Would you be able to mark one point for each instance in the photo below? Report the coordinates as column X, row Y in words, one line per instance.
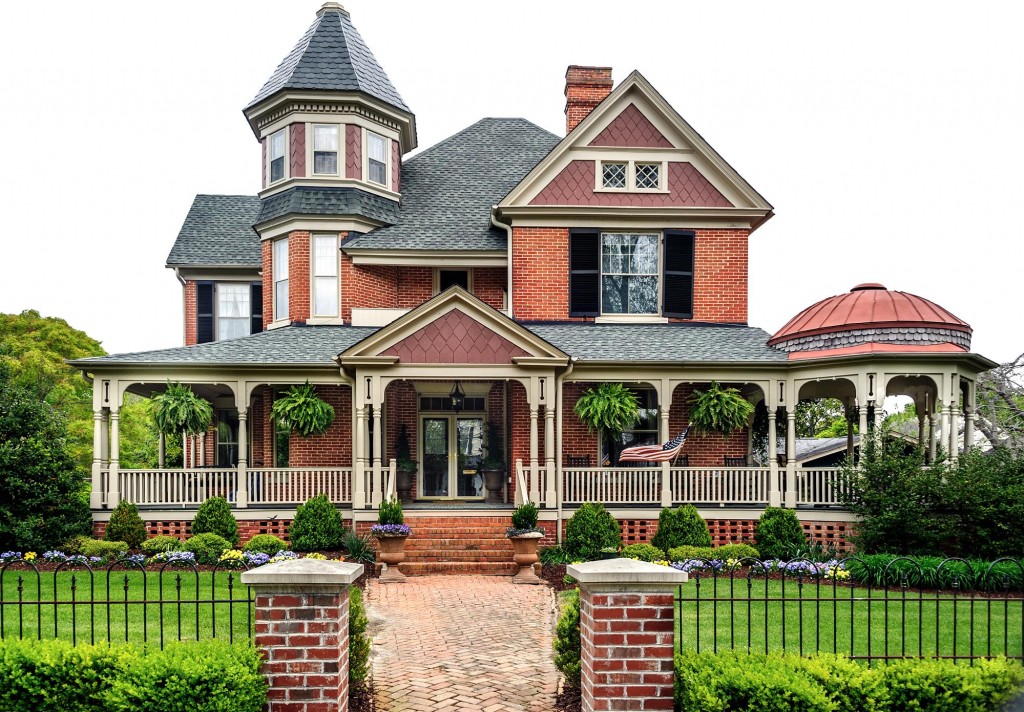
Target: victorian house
column 470, row 293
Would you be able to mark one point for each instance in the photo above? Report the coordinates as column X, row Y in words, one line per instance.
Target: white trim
column 279, row 314
column 285, row 173
column 630, row 187
column 427, row 258
column 366, row 133
column 435, row 286
column 453, row 474
column 338, row 182
column 313, row 275
column 307, row 223
column 631, row 318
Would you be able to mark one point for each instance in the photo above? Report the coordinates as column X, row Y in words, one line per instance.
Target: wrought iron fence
column 124, row 601
column 806, row 607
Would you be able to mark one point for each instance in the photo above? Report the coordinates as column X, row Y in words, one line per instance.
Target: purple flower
column 135, row 560
column 176, row 557
column 10, row 556
column 387, row 530
column 54, row 556
column 255, row 558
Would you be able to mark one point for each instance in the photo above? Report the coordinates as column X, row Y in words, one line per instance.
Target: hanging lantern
column 457, row 397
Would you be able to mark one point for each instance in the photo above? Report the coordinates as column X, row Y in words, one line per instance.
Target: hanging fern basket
column 303, row 410
column 719, row 410
column 178, row 410
column 611, row 408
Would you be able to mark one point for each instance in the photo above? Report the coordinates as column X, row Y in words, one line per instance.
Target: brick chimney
column 585, row 88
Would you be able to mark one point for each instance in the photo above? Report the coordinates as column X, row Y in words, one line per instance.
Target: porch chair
column 577, row 460
column 734, row 461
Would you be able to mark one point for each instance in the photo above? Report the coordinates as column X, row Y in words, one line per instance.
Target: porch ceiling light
column 458, row 397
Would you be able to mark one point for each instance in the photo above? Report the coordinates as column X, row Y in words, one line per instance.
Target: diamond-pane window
column 613, row 175
column 647, row 175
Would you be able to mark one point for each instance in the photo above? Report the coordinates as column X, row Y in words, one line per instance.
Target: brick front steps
column 464, row 545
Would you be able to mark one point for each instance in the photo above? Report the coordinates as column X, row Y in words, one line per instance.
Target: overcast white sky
column 888, row 136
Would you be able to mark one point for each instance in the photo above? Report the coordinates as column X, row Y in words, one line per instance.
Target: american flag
column 655, row 453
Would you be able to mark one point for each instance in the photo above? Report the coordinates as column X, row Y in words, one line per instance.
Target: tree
column 820, row 418
column 1000, row 401
column 45, row 497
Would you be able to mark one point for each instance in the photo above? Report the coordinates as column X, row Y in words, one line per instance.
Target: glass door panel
column 435, row 457
column 469, row 433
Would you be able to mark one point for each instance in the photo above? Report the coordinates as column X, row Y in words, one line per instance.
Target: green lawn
column 805, row 620
column 179, row 598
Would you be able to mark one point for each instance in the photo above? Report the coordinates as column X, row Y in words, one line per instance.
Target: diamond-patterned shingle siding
column 455, row 338
column 574, row 185
column 631, row 129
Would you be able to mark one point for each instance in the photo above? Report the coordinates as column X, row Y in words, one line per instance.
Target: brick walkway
column 476, row 643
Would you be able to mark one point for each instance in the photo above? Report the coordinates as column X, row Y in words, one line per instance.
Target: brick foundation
column 741, row 531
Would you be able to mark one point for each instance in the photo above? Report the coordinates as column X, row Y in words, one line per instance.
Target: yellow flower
column 314, row 555
column 231, row 555
column 29, row 556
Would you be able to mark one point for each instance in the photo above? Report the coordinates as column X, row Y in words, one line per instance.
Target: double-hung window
column 325, row 149
column 629, row 273
column 278, row 149
column 325, row 275
column 377, row 158
column 281, row 279
column 234, row 312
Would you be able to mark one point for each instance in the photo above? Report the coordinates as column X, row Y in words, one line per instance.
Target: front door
column 453, row 447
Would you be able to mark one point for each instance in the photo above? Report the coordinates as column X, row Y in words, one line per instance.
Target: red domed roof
column 868, row 306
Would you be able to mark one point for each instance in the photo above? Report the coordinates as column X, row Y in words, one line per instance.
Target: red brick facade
column 191, row 314
column 585, row 88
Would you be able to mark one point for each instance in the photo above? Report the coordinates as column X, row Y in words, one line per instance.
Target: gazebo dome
column 871, row 315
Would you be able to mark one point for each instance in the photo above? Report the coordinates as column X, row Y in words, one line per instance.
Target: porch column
column 791, row 457
column 161, row 450
column 192, row 462
column 534, row 447
column 969, row 416
column 241, row 491
column 774, row 493
column 359, row 497
column 95, row 494
column 850, row 409
column 946, row 427
column 550, row 476
column 666, row 467
column 378, row 482
column 931, row 436
column 201, row 443
column 113, row 483
column 862, row 425
column 920, row 429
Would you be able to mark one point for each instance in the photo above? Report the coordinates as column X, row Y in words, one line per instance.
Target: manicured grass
column 776, row 615
column 175, row 605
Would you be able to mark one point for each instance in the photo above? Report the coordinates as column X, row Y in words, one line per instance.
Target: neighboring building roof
column 290, row 345
column 332, row 56
column 683, row 342
column 218, row 231
column 448, row 189
column 301, row 200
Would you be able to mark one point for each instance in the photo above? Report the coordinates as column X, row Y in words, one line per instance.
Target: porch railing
column 627, row 485
column 720, row 485
column 294, row 485
column 819, row 486
column 176, row 487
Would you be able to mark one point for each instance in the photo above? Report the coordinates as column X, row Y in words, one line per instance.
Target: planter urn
column 403, row 485
column 494, row 480
column 391, row 554
column 525, row 556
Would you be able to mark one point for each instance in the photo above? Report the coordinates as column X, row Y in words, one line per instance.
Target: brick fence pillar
column 302, row 628
column 626, row 634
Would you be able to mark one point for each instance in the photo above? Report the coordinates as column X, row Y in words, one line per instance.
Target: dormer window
column 377, row 158
column 613, row 175
column 325, row 149
column 276, row 154
column 630, row 176
column 647, row 175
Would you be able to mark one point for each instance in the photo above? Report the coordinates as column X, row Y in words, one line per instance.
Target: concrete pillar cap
column 303, row 575
column 625, row 574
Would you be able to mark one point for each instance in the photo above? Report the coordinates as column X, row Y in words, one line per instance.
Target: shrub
column 589, row 530
column 777, row 531
column 943, row 685
column 683, row 553
column 524, row 517
column 390, row 512
column 126, row 525
column 207, row 547
column 74, row 544
column 154, row 545
column 265, row 544
column 736, row 551
column 358, row 548
column 567, row 638
column 214, row 517
column 554, row 555
column 317, row 525
column 358, row 640
column 681, row 527
column 104, row 549
column 642, row 552
column 931, row 572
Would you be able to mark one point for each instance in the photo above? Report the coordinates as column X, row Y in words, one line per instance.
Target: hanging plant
column 303, row 410
column 719, row 410
column 178, row 410
column 610, row 409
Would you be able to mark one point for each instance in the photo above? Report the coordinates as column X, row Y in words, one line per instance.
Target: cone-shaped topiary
column 778, row 533
column 589, row 530
column 126, row 525
column 681, row 527
column 214, row 517
column 317, row 526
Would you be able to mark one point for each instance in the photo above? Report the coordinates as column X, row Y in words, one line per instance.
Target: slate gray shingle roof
column 659, row 342
column 218, row 231
column 328, row 201
column 290, row 345
column 448, row 189
column 332, row 56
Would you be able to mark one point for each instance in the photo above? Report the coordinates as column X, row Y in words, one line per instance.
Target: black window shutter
column 584, row 273
column 678, row 274
column 204, row 312
column 256, row 300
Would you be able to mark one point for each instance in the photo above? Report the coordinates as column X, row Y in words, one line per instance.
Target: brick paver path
column 476, row 643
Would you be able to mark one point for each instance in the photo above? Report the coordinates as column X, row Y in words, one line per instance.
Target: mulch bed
column 361, row 698
column 554, row 575
column 568, row 699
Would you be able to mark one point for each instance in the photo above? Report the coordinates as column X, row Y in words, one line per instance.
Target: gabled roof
column 449, row 188
column 218, row 232
column 332, row 56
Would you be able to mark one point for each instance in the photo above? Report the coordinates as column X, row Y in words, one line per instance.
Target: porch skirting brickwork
column 182, row 528
column 733, row 531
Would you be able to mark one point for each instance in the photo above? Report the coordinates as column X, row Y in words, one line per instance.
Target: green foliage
column 317, row 526
column 567, row 638
column 178, row 410
column 610, row 409
column 390, row 512
column 982, row 504
column 494, row 450
column 736, row 551
column 403, row 455
column 681, row 527
column 358, row 548
column 524, row 517
column 719, row 410
column 642, row 552
column 104, row 549
column 306, row 412
column 683, row 553
column 155, row 545
column 265, row 544
column 732, row 680
column 554, row 555
column 931, row 572
column 820, row 418
column 358, row 640
column 214, row 516
column 589, row 530
column 126, row 525
column 777, row 531
column 55, row 676
column 74, row 544
column 724, row 552
column 207, row 547
column 140, row 437
column 45, row 498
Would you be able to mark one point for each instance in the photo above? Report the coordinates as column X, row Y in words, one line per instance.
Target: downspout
column 559, row 381
column 508, row 230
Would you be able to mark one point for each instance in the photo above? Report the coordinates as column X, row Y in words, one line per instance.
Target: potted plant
column 719, row 410
column 391, row 531
column 610, row 410
column 608, row 552
column 493, row 465
column 525, row 536
column 303, row 410
column 405, row 465
column 178, row 410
